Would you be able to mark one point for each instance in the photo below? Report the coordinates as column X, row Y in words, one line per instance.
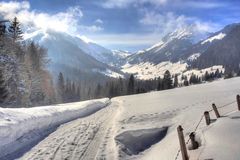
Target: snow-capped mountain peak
column 181, row 33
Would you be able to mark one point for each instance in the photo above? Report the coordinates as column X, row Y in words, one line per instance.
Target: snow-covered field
column 181, row 106
column 148, row 70
column 144, row 127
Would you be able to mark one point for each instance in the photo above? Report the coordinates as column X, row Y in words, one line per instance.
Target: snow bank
column 15, row 122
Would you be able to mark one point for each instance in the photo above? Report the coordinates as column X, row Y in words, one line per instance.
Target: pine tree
column 167, row 80
column 3, row 90
column 207, row 76
column 98, row 91
column 131, row 85
column 2, row 28
column 175, row 81
column 61, row 87
column 121, row 86
column 185, row 82
column 15, row 30
column 159, row 84
column 78, row 96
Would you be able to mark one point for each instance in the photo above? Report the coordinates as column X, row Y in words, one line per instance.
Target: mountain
column 177, row 51
column 99, row 52
column 170, row 48
column 221, row 48
column 73, row 56
column 120, row 57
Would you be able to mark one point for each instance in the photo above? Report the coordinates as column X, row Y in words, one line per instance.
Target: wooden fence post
column 238, row 101
column 207, row 117
column 215, row 110
column 182, row 143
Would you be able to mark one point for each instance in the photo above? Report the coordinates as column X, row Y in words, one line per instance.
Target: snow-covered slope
column 221, row 48
column 15, row 123
column 216, row 37
column 143, row 117
column 148, row 70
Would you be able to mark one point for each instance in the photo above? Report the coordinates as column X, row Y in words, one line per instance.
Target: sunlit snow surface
column 16, row 122
column 183, row 106
column 151, row 120
column 216, row 37
column 149, row 70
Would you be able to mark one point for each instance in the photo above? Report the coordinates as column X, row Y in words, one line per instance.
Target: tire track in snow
column 78, row 139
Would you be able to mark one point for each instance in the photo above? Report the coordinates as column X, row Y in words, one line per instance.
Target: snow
column 216, row 37
column 84, row 138
column 180, row 33
column 181, row 106
column 111, row 73
column 17, row 122
column 140, row 52
column 220, row 138
column 86, row 39
column 143, row 126
column 157, row 45
column 202, row 72
column 193, row 56
column 120, row 53
column 150, row 71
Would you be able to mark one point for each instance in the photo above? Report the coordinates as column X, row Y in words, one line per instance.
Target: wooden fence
column 206, row 116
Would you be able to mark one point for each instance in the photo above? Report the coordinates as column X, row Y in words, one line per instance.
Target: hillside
column 222, row 48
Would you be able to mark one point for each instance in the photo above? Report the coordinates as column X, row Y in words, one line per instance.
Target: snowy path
column 84, row 138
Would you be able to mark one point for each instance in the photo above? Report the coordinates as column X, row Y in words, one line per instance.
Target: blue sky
column 124, row 24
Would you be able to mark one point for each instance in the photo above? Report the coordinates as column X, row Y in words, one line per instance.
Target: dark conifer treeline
column 120, row 86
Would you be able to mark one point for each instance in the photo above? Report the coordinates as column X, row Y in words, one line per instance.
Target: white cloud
column 158, row 3
column 205, row 5
column 125, row 39
column 67, row 21
column 163, row 23
column 92, row 28
column 126, row 3
column 168, row 22
column 99, row 21
column 8, row 8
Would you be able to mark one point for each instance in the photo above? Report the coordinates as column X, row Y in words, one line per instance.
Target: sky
column 122, row 24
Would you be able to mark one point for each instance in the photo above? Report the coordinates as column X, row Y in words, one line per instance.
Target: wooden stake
column 207, row 117
column 238, row 101
column 215, row 110
column 182, row 143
